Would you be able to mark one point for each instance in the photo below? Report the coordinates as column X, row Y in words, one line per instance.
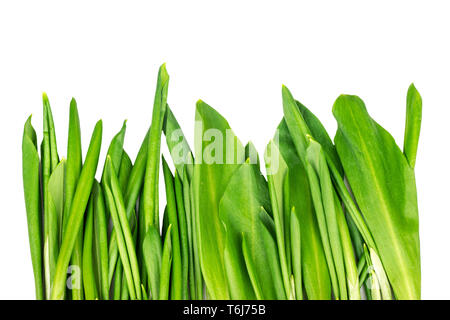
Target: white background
column 234, row 56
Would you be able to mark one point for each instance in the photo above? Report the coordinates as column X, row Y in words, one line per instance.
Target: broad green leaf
column 239, row 210
column 77, row 209
column 218, row 153
column 383, row 184
column 412, row 125
column 251, row 269
column 31, row 189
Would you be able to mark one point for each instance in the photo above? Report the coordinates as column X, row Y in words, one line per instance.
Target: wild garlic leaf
column 218, row 154
column 412, row 125
column 314, row 269
column 152, row 250
column 383, row 184
column 239, row 209
column 31, row 187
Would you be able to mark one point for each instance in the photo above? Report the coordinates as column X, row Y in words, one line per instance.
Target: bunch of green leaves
column 326, row 220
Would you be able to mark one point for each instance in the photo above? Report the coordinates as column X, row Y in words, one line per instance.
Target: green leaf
column 56, row 192
column 319, row 133
column 49, row 128
column 383, row 184
column 90, row 287
column 351, row 270
column 239, row 210
column 73, row 168
column 314, row 269
column 151, row 202
column 276, row 174
column 215, row 162
column 177, row 143
column 412, row 126
column 325, row 207
column 55, row 198
column 133, row 189
column 101, row 240
column 31, row 189
column 166, row 264
column 182, row 224
column 152, row 257
column 385, row 288
column 176, row 281
column 123, row 232
column 74, row 160
column 77, row 209
column 296, row 250
column 252, row 273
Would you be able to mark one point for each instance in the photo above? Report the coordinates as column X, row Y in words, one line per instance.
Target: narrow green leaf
column 121, row 225
column 74, row 160
column 295, row 244
column 90, row 287
column 101, row 239
column 179, row 148
column 177, row 277
column 351, row 270
column 183, row 235
column 151, row 201
column 166, row 264
column 152, row 257
column 275, row 179
column 412, row 125
column 49, row 126
column 133, row 189
column 385, row 288
column 31, row 189
column 77, row 209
